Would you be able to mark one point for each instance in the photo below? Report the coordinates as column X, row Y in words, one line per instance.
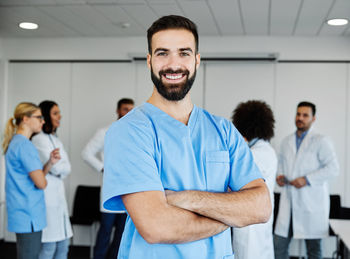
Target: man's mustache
column 171, row 71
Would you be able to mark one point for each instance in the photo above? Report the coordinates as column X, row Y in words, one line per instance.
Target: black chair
column 335, row 207
column 86, row 209
column 338, row 212
column 344, row 213
column 335, row 210
column 275, row 209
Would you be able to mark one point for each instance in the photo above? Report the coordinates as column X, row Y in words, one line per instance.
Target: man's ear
column 149, row 57
column 313, row 118
column 198, row 60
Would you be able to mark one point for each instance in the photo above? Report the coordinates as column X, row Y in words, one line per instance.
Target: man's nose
column 174, row 62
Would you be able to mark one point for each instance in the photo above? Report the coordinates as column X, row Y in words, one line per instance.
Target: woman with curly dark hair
column 255, row 121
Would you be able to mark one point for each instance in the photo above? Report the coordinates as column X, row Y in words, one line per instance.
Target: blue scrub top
column 25, row 202
column 148, row 150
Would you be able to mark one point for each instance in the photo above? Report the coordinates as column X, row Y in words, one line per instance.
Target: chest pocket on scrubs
column 217, row 169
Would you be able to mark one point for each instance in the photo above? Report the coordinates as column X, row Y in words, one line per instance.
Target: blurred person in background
column 55, row 237
column 255, row 121
column 25, row 179
column 307, row 161
column 93, row 156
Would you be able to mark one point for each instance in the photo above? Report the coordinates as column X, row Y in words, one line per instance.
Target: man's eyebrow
column 160, row 49
column 186, row 49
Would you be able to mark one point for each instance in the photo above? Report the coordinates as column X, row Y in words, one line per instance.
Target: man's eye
column 161, row 54
column 184, row 54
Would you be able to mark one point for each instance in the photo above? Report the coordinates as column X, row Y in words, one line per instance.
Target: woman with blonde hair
column 25, row 179
column 55, row 237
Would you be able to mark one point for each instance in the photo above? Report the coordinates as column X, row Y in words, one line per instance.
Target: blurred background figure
column 255, row 121
column 307, row 161
column 93, row 156
column 25, row 179
column 55, row 237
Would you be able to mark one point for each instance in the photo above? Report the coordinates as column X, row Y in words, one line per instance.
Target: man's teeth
column 173, row 77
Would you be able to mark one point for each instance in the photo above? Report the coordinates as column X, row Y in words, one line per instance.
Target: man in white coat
column 307, row 162
column 93, row 155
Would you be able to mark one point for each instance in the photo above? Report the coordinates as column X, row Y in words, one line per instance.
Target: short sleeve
column 129, row 163
column 243, row 168
column 30, row 157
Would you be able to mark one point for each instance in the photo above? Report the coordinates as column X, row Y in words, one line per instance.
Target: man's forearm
column 159, row 222
column 251, row 205
column 184, row 226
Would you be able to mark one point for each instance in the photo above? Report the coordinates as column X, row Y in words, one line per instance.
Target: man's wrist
column 307, row 180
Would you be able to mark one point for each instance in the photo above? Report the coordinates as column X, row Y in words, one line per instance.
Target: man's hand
column 299, row 182
column 281, row 180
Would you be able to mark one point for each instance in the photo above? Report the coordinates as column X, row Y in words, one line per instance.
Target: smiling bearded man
column 170, row 163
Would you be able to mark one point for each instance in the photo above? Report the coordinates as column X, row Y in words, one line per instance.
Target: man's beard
column 173, row 92
column 304, row 127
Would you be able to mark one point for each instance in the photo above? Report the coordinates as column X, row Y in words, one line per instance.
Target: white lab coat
column 93, row 151
column 93, row 156
column 57, row 216
column 255, row 241
column 309, row 205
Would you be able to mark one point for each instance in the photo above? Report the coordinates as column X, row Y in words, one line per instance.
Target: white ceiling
column 103, row 18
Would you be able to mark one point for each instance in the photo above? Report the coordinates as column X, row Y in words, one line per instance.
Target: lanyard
column 252, row 142
column 51, row 140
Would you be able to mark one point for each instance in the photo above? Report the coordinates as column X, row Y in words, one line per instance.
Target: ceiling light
column 125, row 25
column 28, row 25
column 337, row 22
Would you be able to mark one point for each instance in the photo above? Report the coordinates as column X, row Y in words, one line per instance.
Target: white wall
column 3, row 113
column 90, row 90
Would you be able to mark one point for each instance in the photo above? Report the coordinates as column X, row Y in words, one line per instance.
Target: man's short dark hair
column 124, row 101
column 172, row 22
column 254, row 119
column 308, row 104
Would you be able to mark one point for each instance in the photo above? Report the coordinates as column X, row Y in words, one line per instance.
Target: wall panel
column 347, row 129
column 229, row 83
column 325, row 85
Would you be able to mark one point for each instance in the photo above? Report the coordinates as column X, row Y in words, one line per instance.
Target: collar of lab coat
column 304, row 145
